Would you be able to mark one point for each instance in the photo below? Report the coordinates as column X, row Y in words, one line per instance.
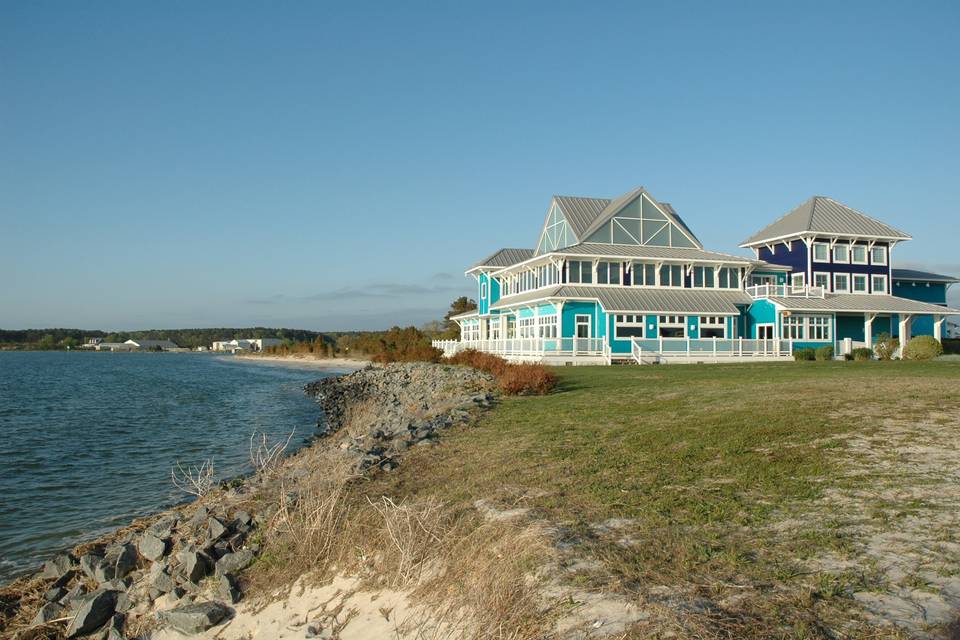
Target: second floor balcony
column 784, row 291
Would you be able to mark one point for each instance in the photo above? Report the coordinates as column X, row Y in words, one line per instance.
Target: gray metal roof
column 922, row 276
column 825, row 215
column 615, row 205
column 763, row 265
column 647, row 251
column 862, row 303
column 505, row 258
column 580, row 212
column 650, row 300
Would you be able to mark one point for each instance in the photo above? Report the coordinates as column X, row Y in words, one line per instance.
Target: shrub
column 526, row 379
column 804, row 354
column 922, row 348
column 862, row 353
column 848, row 356
column 410, row 353
column 825, row 352
column 494, row 365
column 886, row 346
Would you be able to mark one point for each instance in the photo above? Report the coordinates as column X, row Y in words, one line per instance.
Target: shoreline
column 329, row 364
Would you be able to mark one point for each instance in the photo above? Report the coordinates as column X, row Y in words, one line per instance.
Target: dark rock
column 92, row 611
column 196, row 564
column 56, row 567
column 63, row 580
column 199, row 516
column 215, row 529
column 152, row 548
column 235, row 562
column 163, row 528
column 73, row 596
column 117, row 584
column 114, row 628
column 194, row 618
column 242, row 518
column 48, row 612
column 119, row 560
column 89, row 563
column 228, row 588
column 54, row 594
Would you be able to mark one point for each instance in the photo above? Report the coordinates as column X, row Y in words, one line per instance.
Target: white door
column 584, row 332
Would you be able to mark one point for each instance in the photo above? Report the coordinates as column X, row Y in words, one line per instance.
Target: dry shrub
column 526, row 379
column 412, row 353
column 487, row 362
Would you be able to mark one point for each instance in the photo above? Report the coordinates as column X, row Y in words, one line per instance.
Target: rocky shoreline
column 184, row 569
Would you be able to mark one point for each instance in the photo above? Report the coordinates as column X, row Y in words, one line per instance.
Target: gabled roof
column 504, row 258
column 922, row 276
column 862, row 303
column 580, row 212
column 629, row 299
column 614, row 206
column 825, row 215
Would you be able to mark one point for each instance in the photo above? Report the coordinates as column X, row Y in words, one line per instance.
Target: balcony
column 531, row 348
column 784, row 291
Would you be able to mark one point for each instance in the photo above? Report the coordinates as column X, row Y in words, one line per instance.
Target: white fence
column 649, row 350
column 784, row 291
column 528, row 347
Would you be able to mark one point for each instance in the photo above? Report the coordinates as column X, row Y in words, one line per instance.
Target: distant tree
column 462, row 304
column 69, row 342
column 47, row 342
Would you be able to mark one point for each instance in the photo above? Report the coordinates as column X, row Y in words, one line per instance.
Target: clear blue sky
column 325, row 166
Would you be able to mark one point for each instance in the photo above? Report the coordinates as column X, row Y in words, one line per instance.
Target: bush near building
column 862, row 353
column 825, row 353
column 886, row 346
column 803, row 355
column 512, row 379
column 922, row 348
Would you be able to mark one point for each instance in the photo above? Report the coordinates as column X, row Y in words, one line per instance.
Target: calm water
column 88, row 439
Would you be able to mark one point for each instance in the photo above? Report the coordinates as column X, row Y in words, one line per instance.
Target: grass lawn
column 739, row 496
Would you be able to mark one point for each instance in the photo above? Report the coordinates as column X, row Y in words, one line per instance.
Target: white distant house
column 146, row 345
column 112, row 346
column 247, row 344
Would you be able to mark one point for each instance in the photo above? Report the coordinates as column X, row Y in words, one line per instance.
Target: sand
column 333, row 364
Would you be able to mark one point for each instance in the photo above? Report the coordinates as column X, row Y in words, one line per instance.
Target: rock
column 119, row 560
column 48, row 612
column 54, row 594
column 152, row 548
column 117, row 584
column 235, row 562
column 196, row 564
column 169, row 600
column 228, row 589
column 93, row 610
column 73, row 596
column 58, row 566
column 63, row 580
column 194, row 618
column 89, row 563
column 200, row 516
column 242, row 519
column 162, row 582
column 114, row 628
column 163, row 528
column 215, row 529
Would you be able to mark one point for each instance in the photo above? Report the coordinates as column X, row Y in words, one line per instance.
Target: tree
column 462, row 304
column 47, row 342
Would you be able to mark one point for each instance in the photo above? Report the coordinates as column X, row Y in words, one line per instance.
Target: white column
column 938, row 328
column 904, row 329
column 868, row 329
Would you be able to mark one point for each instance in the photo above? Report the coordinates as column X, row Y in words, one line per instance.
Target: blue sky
column 323, row 166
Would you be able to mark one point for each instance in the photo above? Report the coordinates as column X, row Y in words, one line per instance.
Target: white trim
column 576, row 324
column 866, row 254
column 803, row 280
column 886, row 284
column 642, row 323
column 817, row 234
column 822, row 273
column 813, row 251
column 833, row 254
column 866, row 283
column 837, row 289
column 886, row 256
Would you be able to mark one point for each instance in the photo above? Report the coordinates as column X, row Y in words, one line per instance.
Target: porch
column 542, row 350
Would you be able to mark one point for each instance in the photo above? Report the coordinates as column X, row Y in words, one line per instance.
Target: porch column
column 904, row 329
column 868, row 329
column 559, row 307
column 938, row 328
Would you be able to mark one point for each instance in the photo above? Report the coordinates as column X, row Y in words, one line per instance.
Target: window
column 841, row 283
column 713, row 327
column 756, row 280
column 470, row 330
column 797, row 280
column 548, row 326
column 483, row 290
column 858, row 254
column 859, row 283
column 671, row 275
column 807, row 327
column 841, row 253
column 608, row 273
column 493, row 329
column 626, row 326
column 821, row 279
column 580, row 272
column 673, row 327
column 703, row 277
column 821, row 252
column 878, row 255
column 644, row 274
column 879, row 284
column 729, row 278
column 527, row 327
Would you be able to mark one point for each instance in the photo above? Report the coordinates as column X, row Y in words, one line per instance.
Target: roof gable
column 822, row 215
column 636, row 218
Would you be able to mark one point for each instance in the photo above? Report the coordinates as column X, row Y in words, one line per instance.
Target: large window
column 527, row 327
column 626, row 326
column 807, row 327
column 470, row 330
column 879, row 284
column 580, row 272
column 548, row 326
column 673, row 327
column 841, row 253
column 729, row 278
column 821, row 252
column 671, row 275
column 860, row 283
column 644, row 274
column 858, row 254
column 841, row 283
column 878, row 255
column 821, row 279
column 713, row 327
column 703, row 277
column 608, row 273
column 797, row 280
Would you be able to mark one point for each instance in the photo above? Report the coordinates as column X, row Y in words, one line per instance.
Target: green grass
column 702, row 460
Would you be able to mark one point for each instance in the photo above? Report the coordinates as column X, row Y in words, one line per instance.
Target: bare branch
column 264, row 457
column 196, row 481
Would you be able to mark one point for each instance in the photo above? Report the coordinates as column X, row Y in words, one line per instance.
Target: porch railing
column 784, row 291
column 644, row 350
column 529, row 346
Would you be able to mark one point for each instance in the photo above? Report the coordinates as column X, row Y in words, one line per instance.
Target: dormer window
column 858, row 254
column 878, row 255
column 841, row 253
column 821, row 252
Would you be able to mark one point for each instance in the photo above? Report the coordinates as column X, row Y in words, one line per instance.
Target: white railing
column 709, row 348
column 529, row 346
column 784, row 291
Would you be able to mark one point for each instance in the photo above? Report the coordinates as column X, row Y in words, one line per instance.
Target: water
column 87, row 440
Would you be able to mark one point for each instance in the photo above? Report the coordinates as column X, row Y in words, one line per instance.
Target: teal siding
column 573, row 309
column 693, row 327
column 760, row 312
column 932, row 292
column 483, row 301
column 781, row 276
column 850, row 327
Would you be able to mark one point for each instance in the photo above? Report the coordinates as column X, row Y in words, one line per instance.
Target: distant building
column 113, row 346
column 151, row 345
column 247, row 344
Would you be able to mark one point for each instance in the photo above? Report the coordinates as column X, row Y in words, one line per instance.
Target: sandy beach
column 333, row 364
